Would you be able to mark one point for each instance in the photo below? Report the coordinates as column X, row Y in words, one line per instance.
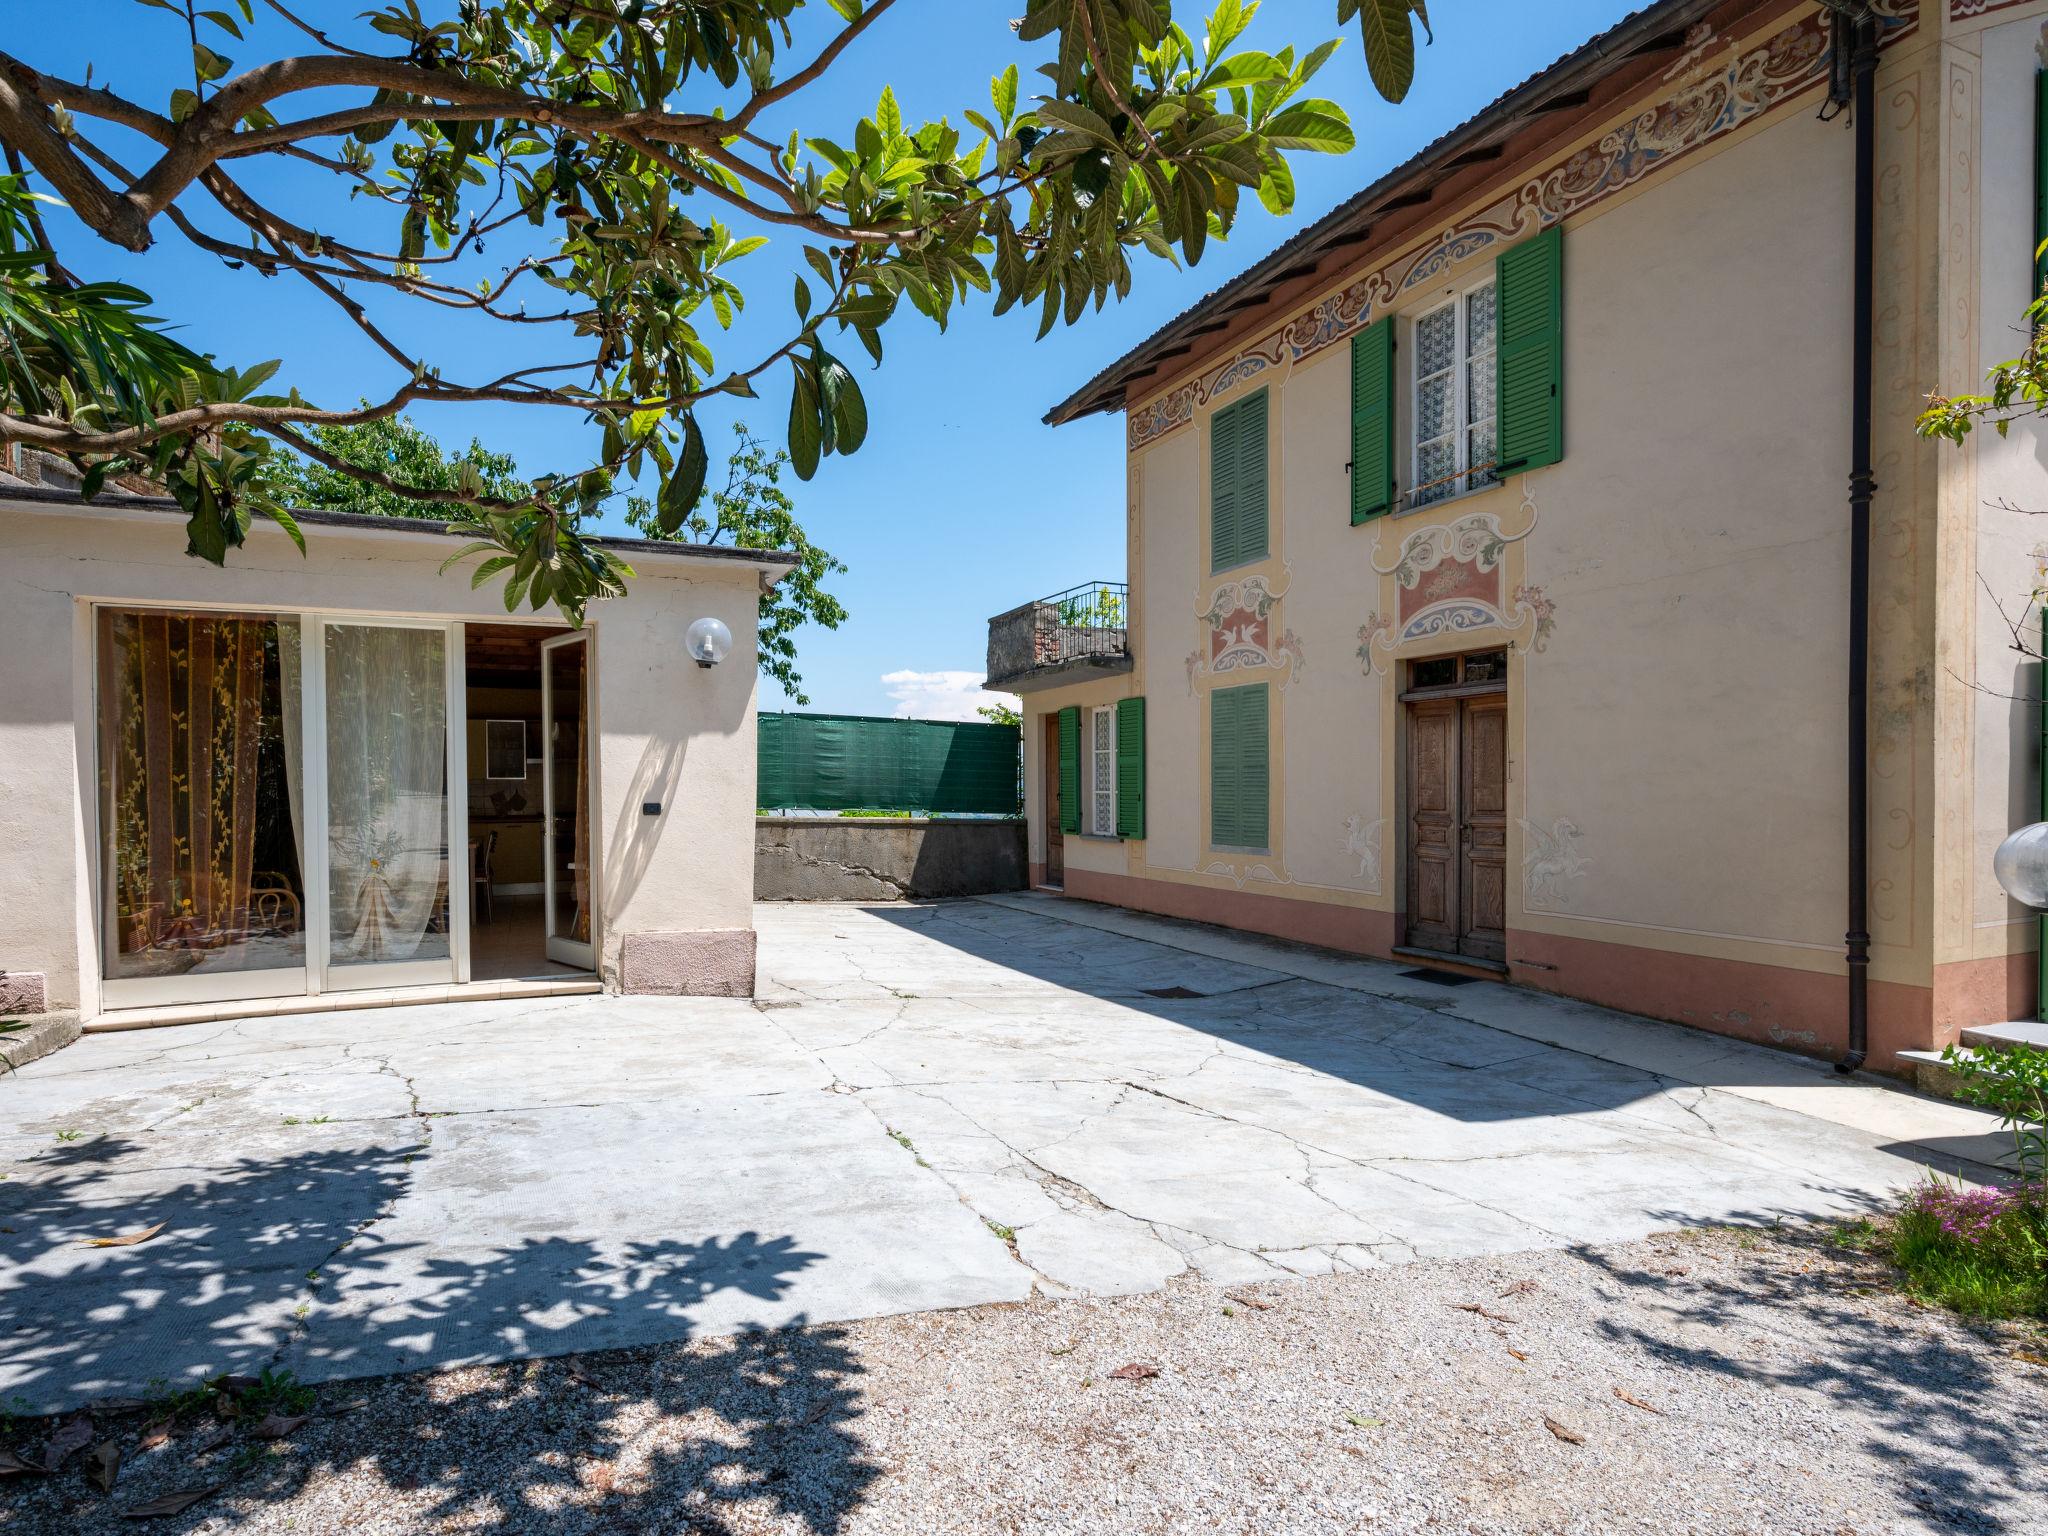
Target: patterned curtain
column 186, row 721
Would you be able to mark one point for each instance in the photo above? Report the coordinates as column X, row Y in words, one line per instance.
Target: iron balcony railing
column 1088, row 621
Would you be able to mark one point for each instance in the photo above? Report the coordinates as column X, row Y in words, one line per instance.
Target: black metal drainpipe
column 1862, row 487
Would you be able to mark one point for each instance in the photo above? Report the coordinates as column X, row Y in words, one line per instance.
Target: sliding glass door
column 201, row 800
column 392, row 911
column 275, row 806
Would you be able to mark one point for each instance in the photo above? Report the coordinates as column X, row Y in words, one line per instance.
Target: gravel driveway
column 1707, row 1382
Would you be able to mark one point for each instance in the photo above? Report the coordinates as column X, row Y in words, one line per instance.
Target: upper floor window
column 1456, row 446
column 1237, row 483
column 1482, row 386
column 1102, row 772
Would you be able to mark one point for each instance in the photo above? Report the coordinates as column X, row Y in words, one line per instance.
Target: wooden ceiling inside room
column 504, row 655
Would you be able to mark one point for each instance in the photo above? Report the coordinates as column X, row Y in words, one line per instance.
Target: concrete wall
column 1673, row 593
column 675, row 888
column 862, row 858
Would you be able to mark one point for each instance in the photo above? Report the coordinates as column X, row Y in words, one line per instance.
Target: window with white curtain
column 1455, row 441
column 1102, row 773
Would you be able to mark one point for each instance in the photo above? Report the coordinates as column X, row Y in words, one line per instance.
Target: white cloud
column 941, row 695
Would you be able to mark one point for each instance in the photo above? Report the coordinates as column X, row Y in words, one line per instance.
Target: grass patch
column 1979, row 1252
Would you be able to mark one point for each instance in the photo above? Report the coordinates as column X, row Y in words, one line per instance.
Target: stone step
column 1997, row 1036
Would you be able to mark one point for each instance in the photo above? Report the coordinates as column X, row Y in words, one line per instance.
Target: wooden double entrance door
column 1458, row 824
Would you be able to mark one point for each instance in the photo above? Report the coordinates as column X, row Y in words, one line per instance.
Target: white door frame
column 582, row 953
column 322, row 975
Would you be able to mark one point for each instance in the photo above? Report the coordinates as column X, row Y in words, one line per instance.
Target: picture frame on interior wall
column 505, row 749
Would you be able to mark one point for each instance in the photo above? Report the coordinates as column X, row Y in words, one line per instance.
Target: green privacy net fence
column 864, row 763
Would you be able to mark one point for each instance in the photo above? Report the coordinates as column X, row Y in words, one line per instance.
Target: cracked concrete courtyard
column 928, row 1106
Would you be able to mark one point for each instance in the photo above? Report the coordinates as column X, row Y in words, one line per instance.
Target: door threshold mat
column 1440, row 978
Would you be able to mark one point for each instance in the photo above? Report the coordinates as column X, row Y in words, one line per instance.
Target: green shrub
column 2012, row 1081
column 1979, row 1251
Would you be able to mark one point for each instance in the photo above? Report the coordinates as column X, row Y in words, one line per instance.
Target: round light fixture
column 708, row 641
column 2021, row 865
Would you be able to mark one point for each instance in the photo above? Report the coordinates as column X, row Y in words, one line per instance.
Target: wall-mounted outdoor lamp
column 2021, row 865
column 708, row 641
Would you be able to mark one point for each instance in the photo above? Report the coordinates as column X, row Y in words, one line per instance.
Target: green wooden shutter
column 1237, row 483
column 1222, row 489
column 1372, row 420
column 1130, row 768
column 1239, row 775
column 1223, row 786
column 1070, row 769
column 1530, row 294
column 1254, row 772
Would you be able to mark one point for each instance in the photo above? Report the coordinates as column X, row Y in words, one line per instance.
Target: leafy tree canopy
column 633, row 153
column 404, row 452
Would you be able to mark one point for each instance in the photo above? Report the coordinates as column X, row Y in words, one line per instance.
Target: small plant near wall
column 2012, row 1082
column 1983, row 1251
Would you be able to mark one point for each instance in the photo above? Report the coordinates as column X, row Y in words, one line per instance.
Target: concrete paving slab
column 930, row 1106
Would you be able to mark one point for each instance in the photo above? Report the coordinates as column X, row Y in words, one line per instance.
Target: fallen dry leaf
column 154, row 1436
column 212, row 1440
column 12, row 1465
column 1248, row 1301
column 1522, row 1288
column 1568, row 1436
column 74, row 1434
column 1635, row 1402
column 276, row 1426
column 1473, row 1306
column 126, row 1239
column 1516, row 1353
column 573, row 1368
column 1137, row 1370
column 2030, row 1357
column 175, row 1503
column 818, row 1412
column 103, row 1464
column 233, row 1386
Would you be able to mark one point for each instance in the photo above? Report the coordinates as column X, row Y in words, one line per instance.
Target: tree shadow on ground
column 1964, row 1441
column 265, row 1264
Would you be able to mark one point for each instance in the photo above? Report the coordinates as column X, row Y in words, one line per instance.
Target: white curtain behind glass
column 387, row 802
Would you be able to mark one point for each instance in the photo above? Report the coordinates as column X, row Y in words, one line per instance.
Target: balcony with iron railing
column 1081, row 630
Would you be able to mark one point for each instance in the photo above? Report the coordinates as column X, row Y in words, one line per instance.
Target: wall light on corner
column 708, row 641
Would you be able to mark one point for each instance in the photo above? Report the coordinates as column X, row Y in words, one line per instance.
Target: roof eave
column 1653, row 29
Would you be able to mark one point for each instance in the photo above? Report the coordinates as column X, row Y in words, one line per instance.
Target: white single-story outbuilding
column 344, row 778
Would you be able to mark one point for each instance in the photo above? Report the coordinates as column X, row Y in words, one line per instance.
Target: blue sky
column 962, row 503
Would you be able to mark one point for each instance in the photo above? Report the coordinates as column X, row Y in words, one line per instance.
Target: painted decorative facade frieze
column 1700, row 106
column 1551, row 864
column 1239, row 634
column 1963, row 10
column 1242, row 875
column 1449, row 578
column 1362, row 842
column 1534, row 608
column 1373, row 632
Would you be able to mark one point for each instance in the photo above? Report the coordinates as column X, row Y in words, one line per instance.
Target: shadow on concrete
column 230, row 1287
column 1406, row 1047
column 1959, row 1453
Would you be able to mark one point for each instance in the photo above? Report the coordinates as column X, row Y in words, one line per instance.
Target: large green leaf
column 1389, row 45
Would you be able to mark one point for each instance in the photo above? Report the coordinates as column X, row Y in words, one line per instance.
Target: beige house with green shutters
column 1534, row 570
